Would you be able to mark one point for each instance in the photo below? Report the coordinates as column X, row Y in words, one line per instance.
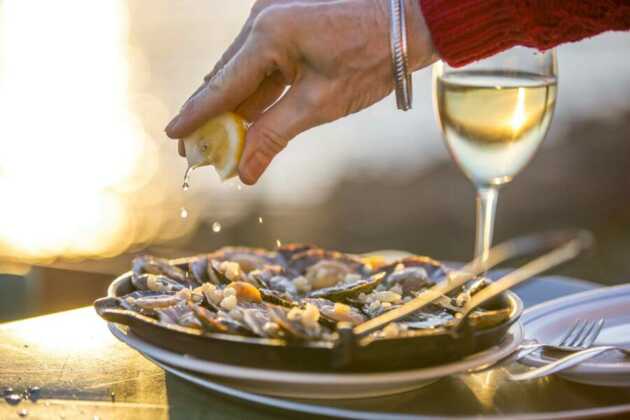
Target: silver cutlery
column 578, row 340
column 579, row 337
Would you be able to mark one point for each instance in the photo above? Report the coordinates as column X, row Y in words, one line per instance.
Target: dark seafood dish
column 295, row 293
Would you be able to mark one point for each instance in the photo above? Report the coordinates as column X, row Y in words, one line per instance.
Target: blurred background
column 88, row 179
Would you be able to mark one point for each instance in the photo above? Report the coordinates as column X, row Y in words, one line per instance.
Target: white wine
column 493, row 122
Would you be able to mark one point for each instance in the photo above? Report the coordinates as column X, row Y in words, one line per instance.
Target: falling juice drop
column 183, row 213
column 186, row 184
column 278, row 243
column 216, row 227
column 260, row 220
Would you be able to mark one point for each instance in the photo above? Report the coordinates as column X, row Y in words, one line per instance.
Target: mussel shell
column 155, row 283
column 282, row 284
column 425, row 320
column 300, row 262
column 435, row 271
column 294, row 329
column 198, row 267
column 488, row 318
column 277, row 298
column 256, row 319
column 287, row 251
column 470, row 289
column 248, row 259
column 180, row 314
column 147, row 302
column 219, row 321
column 216, row 274
column 327, row 311
column 410, row 279
column 266, row 277
column 154, row 265
column 346, row 291
column 209, row 319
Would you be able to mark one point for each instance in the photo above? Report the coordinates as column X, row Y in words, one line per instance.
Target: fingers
column 267, row 93
column 232, row 49
column 290, row 116
column 252, row 108
column 229, row 87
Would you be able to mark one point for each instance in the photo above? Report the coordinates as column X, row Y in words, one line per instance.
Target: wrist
column 421, row 51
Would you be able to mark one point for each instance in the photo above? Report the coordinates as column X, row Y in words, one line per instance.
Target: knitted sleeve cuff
column 467, row 30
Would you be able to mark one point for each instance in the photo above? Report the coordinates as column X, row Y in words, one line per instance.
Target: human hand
column 334, row 56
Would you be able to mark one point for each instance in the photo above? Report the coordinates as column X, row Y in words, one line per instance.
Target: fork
column 580, row 336
column 575, row 336
column 578, row 340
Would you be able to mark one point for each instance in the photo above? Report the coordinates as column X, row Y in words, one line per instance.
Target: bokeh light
column 77, row 169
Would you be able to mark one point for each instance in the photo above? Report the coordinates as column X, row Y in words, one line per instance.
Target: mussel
column 347, row 290
column 154, row 265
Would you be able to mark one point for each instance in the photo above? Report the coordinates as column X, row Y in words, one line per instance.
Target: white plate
column 371, row 413
column 321, row 385
column 549, row 321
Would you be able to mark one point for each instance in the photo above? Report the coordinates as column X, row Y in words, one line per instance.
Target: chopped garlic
column 388, row 296
column 374, row 305
column 231, row 270
column 341, row 309
column 301, row 284
column 271, row 328
column 294, row 314
column 236, row 314
column 310, row 315
column 228, row 303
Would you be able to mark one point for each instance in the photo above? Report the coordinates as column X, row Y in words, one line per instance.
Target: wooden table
column 84, row 372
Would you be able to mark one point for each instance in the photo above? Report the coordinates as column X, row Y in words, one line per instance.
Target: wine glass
column 494, row 114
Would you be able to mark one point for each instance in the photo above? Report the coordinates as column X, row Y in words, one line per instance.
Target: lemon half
column 219, row 142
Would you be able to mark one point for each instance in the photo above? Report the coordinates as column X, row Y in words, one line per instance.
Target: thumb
column 271, row 133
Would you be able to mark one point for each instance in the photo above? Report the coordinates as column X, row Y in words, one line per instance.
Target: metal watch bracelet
column 398, row 45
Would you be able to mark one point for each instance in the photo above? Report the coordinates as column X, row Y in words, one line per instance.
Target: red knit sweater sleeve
column 467, row 30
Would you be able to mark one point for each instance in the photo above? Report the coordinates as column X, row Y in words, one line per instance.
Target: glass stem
column 486, row 209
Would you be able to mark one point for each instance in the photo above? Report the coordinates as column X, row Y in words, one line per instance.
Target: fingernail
column 251, row 169
column 172, row 124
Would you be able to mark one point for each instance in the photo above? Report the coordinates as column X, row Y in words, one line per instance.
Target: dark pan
column 429, row 348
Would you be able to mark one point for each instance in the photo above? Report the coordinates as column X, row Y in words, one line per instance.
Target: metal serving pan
column 429, row 347
column 356, row 350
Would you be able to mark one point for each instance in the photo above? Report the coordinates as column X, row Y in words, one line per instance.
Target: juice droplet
column 239, row 187
column 278, row 243
column 33, row 393
column 260, row 220
column 216, row 227
column 183, row 213
column 13, row 399
column 186, row 184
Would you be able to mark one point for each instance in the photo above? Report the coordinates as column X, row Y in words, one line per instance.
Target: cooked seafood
column 298, row 292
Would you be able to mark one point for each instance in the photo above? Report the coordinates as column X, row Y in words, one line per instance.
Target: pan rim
column 347, row 378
